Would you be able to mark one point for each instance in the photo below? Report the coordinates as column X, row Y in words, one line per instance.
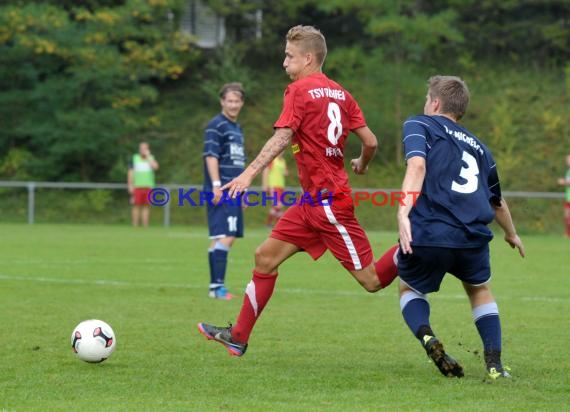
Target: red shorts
column 315, row 229
column 140, row 196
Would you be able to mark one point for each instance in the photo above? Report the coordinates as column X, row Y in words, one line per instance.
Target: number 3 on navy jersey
column 468, row 173
column 335, row 126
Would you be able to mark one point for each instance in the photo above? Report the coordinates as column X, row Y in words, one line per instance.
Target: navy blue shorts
column 424, row 269
column 225, row 220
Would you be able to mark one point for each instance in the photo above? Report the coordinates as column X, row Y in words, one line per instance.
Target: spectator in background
column 140, row 180
column 565, row 181
column 274, row 184
column 224, row 159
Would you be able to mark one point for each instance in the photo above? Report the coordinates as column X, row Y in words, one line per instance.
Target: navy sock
column 416, row 311
column 220, row 262
column 489, row 326
column 211, row 263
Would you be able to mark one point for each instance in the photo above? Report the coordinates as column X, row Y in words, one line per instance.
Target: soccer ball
column 93, row 341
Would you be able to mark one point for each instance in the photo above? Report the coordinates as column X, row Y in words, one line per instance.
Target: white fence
column 32, row 186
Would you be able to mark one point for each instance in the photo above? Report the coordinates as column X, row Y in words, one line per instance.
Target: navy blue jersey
column 223, row 139
column 461, row 182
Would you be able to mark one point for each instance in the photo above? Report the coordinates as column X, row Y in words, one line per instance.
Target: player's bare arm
column 153, row 163
column 213, row 166
column 272, row 148
column 369, row 146
column 504, row 219
column 146, row 154
column 130, row 180
column 412, row 184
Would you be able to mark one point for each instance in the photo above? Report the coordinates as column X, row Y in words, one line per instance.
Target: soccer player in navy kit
column 224, row 159
column 446, row 230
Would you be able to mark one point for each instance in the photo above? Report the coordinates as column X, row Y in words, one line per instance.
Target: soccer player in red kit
column 317, row 116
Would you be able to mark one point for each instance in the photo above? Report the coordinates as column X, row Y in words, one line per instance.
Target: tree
column 528, row 31
column 77, row 83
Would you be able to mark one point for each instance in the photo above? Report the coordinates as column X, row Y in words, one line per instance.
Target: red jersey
column 321, row 113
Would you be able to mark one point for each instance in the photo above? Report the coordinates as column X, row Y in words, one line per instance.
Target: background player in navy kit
column 446, row 230
column 224, row 159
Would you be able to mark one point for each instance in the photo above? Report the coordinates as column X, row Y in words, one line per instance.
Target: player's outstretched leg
column 224, row 336
column 416, row 311
column 235, row 338
column 386, row 267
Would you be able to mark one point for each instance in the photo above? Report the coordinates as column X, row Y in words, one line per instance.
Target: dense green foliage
column 322, row 343
column 81, row 82
column 77, row 82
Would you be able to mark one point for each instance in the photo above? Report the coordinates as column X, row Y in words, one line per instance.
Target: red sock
column 386, row 268
column 257, row 294
column 568, row 227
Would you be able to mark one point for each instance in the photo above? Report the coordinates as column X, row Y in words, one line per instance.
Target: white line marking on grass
column 299, row 291
column 60, row 262
column 99, row 282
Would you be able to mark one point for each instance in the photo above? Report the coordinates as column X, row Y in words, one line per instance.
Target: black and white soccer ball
column 93, row 341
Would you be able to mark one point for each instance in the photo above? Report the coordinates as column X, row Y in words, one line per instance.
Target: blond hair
column 309, row 39
column 452, row 92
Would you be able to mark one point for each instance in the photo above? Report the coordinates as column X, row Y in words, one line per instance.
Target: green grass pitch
column 322, row 343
